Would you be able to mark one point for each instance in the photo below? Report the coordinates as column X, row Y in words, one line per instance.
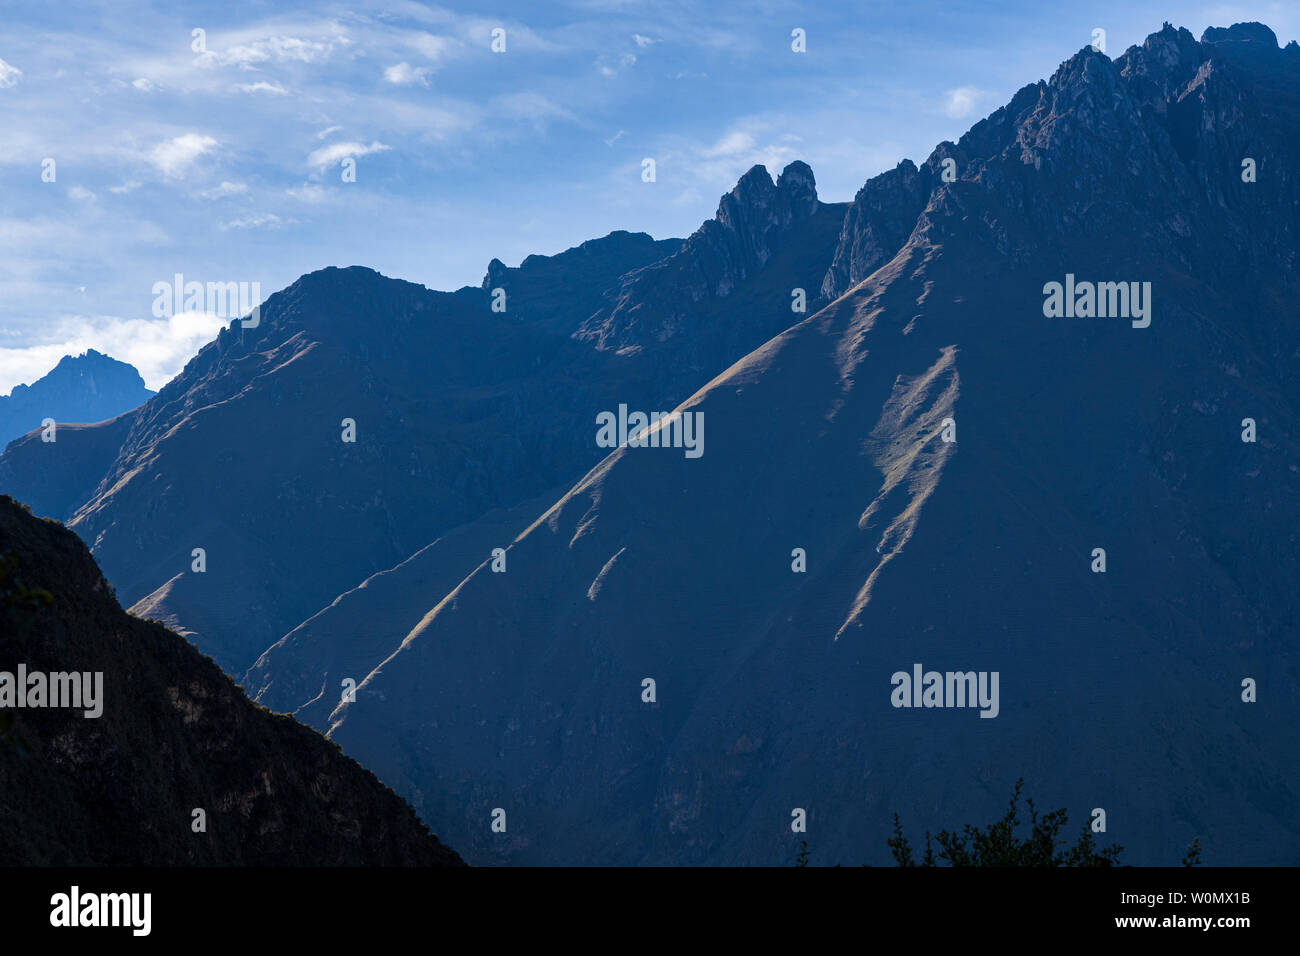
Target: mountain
column 90, row 387
column 1127, row 686
column 172, row 734
column 459, row 411
column 665, row 328
column 950, row 461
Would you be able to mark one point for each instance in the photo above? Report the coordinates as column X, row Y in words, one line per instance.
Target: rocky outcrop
column 753, row 222
column 882, row 216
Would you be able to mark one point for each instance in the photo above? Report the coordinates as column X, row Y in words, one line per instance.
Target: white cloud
column 960, row 103
column 255, row 222
column 225, row 189
column 9, row 74
column 129, row 186
column 403, row 74
column 431, row 47
column 275, row 49
column 159, row 348
column 81, row 193
column 612, row 65
column 336, row 152
column 262, row 86
column 328, row 131
column 307, row 192
column 176, row 155
column 144, row 84
column 753, row 141
column 641, row 41
column 731, row 144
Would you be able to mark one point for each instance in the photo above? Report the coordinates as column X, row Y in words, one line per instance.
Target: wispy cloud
column 224, row 189
column 611, row 65
column 267, row 220
column 9, row 74
column 432, row 48
column 530, row 106
column 961, row 102
column 276, row 49
column 262, row 86
column 336, row 152
column 176, row 155
column 308, row 192
column 403, row 74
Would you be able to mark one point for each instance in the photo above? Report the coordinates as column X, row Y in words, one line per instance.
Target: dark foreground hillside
column 175, row 735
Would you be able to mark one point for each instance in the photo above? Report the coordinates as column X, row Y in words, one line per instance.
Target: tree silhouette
column 999, row 845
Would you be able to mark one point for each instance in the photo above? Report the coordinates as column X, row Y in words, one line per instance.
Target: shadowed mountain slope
column 458, row 410
column 175, row 734
column 1120, row 690
column 365, row 625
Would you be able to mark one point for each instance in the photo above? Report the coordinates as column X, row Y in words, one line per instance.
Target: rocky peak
column 760, row 212
column 881, row 218
column 496, row 274
column 89, row 387
column 1256, row 34
column 754, row 221
column 1161, row 67
column 797, row 182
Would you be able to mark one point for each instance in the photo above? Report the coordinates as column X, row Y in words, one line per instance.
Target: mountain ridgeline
column 648, row 658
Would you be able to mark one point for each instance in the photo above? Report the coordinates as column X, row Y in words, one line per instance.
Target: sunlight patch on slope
column 907, row 448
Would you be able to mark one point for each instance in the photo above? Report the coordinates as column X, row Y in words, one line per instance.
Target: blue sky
column 224, row 164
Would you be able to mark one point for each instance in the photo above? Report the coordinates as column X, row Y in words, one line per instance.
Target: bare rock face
column 877, row 225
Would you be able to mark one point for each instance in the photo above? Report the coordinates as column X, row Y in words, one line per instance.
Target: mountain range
column 90, row 387
column 930, row 465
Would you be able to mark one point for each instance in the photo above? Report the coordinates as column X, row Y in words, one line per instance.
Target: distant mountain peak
column 89, row 387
